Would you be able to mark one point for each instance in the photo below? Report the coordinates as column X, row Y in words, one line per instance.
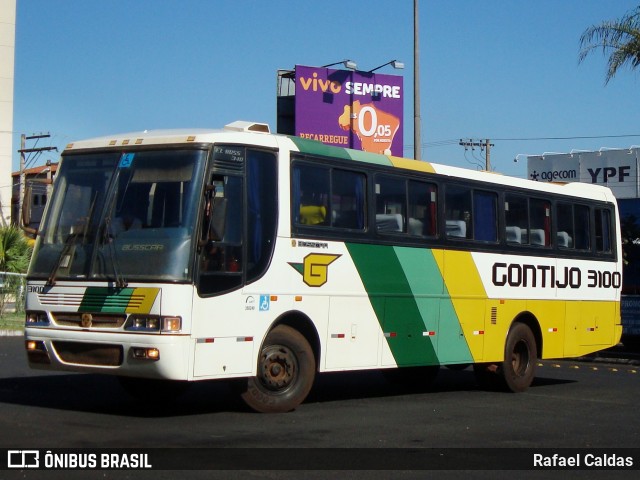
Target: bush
column 15, row 254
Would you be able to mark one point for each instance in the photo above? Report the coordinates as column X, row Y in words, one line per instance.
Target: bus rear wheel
column 518, row 369
column 286, row 371
column 520, row 357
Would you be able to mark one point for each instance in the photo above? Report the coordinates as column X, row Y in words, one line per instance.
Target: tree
column 15, row 254
column 620, row 38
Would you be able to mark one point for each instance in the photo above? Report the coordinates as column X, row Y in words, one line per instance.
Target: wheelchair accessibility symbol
column 265, row 302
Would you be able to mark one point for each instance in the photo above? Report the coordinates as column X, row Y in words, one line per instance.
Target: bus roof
column 241, row 131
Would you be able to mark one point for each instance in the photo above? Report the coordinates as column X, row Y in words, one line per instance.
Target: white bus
column 177, row 256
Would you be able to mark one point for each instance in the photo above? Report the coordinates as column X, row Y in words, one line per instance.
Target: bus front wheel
column 286, row 370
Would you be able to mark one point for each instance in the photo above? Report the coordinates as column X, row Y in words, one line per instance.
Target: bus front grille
column 70, row 319
column 98, row 354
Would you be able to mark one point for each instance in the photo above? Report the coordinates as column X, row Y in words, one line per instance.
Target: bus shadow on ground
column 103, row 394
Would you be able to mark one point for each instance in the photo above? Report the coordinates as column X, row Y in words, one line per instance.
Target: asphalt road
column 587, row 405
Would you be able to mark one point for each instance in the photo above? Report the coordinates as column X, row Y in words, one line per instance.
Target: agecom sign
column 616, row 169
column 358, row 110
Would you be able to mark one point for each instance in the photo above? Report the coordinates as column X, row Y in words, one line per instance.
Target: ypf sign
column 616, row 169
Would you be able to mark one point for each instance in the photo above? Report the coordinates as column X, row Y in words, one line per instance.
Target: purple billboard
column 358, row 110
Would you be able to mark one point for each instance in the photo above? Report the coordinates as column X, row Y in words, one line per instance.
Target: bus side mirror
column 218, row 219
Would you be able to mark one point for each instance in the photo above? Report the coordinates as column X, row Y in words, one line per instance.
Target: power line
column 455, row 141
column 582, row 137
column 484, row 145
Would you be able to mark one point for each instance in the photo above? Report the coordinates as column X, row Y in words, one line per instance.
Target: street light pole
column 417, row 139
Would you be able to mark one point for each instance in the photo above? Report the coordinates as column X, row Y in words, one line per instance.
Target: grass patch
column 12, row 321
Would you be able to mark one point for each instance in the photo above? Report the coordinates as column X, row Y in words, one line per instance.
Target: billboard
column 616, row 169
column 353, row 109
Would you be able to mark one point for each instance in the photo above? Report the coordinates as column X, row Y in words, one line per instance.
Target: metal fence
column 12, row 292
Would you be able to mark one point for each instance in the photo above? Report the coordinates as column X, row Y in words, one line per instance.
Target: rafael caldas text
column 588, row 460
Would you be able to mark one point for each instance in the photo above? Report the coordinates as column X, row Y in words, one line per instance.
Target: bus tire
column 285, row 375
column 520, row 357
column 517, row 371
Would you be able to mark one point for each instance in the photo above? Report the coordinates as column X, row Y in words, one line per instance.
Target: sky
column 506, row 70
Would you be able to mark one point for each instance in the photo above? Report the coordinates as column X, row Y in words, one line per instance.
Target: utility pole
column 483, row 145
column 23, row 150
column 417, row 123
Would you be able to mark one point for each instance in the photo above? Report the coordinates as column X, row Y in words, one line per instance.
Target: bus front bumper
column 136, row 355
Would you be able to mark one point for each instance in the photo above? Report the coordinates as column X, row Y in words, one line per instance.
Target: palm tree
column 15, row 254
column 620, row 37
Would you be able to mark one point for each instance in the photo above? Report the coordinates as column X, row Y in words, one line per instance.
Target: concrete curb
column 11, row 333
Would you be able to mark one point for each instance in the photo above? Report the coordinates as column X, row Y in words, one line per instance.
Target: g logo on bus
column 86, row 320
column 315, row 268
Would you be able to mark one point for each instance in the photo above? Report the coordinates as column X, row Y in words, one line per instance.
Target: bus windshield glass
column 122, row 217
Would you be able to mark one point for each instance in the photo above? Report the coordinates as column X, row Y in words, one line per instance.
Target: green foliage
column 15, row 252
column 618, row 38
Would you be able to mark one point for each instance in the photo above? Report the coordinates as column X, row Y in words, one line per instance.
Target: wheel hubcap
column 277, row 368
column 520, row 358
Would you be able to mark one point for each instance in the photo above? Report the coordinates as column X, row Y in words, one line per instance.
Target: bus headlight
column 143, row 323
column 153, row 324
column 36, row 319
column 171, row 324
column 142, row 353
column 37, row 351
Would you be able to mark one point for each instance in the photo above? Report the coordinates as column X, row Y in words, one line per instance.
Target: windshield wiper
column 106, row 238
column 66, row 255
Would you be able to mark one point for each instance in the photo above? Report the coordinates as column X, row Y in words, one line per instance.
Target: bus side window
column 423, row 208
column 458, row 212
column 262, row 211
column 390, row 204
column 310, row 194
column 582, row 227
column 540, row 222
column 603, row 230
column 516, row 215
column 485, row 214
column 565, row 235
column 348, row 199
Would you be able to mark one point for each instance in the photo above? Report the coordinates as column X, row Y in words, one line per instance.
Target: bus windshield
column 121, row 216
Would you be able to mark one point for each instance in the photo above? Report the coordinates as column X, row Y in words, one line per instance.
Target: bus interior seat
column 416, row 227
column 312, row 214
column 389, row 222
column 514, row 234
column 536, row 236
column 456, row 228
column 564, row 240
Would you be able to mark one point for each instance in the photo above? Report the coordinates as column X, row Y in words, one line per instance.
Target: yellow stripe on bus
column 142, row 300
column 411, row 164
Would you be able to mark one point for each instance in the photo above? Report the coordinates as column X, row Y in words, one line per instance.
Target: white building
column 7, row 56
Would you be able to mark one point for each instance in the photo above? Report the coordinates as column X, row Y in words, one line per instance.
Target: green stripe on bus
column 434, row 302
column 394, row 303
column 368, row 157
column 313, row 147
column 108, row 300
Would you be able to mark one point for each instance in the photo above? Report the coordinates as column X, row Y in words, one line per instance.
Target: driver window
column 220, row 261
